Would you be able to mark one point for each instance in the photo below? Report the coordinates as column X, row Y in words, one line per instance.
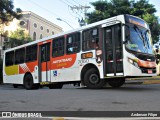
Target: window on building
column 58, row 47
column 19, row 56
column 9, row 58
column 47, row 30
column 90, row 39
column 35, row 25
column 22, row 23
column 52, row 32
column 73, row 43
column 34, row 36
column 31, row 53
column 41, row 36
column 41, row 28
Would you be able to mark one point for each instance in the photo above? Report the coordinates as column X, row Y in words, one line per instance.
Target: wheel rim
column 94, row 79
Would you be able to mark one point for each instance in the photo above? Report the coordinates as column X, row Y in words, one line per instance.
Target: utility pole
column 84, row 10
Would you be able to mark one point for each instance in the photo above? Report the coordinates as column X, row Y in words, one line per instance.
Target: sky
column 53, row 9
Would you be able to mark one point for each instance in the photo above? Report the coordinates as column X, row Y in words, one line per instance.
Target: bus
column 108, row 51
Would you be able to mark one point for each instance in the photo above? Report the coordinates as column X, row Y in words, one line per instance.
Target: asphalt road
column 69, row 98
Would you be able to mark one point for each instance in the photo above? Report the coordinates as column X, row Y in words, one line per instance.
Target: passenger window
column 90, row 39
column 73, row 43
column 9, row 58
column 58, row 47
column 31, row 53
column 19, row 56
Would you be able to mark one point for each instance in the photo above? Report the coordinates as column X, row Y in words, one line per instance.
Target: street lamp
column 65, row 22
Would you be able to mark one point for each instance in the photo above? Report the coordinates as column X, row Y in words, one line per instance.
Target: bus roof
column 67, row 32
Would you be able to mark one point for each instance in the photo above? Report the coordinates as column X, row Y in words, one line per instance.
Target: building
column 34, row 25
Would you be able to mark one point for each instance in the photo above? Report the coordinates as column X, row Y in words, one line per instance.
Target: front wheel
column 92, row 79
column 116, row 83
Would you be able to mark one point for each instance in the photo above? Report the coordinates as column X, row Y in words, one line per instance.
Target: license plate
column 150, row 71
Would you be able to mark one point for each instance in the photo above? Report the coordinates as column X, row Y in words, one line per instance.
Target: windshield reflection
column 138, row 39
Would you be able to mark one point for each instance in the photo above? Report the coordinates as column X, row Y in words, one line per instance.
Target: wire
column 74, row 13
column 76, row 2
column 65, row 2
column 50, row 11
column 69, row 2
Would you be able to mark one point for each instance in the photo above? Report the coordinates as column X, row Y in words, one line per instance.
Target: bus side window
column 19, row 56
column 9, row 58
column 90, row 39
column 73, row 43
column 31, row 53
column 58, row 47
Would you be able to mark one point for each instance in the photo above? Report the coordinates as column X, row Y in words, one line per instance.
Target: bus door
column 44, row 63
column 113, row 50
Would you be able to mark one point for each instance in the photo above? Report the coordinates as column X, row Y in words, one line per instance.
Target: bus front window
column 138, row 39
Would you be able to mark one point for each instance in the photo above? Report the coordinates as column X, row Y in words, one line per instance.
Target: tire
column 15, row 85
column 116, row 83
column 28, row 82
column 92, row 79
column 55, row 86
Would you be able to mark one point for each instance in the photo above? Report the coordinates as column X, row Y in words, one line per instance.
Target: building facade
column 34, row 25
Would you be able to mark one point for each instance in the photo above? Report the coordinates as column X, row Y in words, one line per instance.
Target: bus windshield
column 138, row 39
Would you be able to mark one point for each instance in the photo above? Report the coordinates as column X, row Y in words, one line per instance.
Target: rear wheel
column 55, row 86
column 28, row 82
column 92, row 79
column 115, row 83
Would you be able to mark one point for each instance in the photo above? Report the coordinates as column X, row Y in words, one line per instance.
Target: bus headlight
column 130, row 61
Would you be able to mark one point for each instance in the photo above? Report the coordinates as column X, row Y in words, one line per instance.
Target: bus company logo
column 62, row 60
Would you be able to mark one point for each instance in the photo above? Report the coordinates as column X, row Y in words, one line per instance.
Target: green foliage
column 6, row 11
column 17, row 38
column 105, row 9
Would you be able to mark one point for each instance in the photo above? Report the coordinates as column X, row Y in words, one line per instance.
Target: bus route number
column 83, row 61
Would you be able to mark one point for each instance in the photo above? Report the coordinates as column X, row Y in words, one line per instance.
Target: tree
column 6, row 11
column 17, row 38
column 105, row 9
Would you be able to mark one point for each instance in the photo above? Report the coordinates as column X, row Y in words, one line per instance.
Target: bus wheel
column 92, row 79
column 115, row 83
column 55, row 86
column 28, row 82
